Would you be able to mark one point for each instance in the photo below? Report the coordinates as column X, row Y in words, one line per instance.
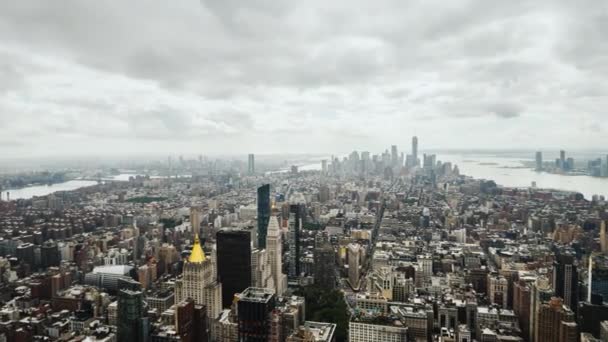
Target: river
column 504, row 171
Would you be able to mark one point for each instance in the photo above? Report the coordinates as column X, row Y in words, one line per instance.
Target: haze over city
column 311, row 171
column 226, row 77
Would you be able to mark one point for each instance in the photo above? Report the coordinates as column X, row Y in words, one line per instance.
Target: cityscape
column 396, row 246
column 303, row 171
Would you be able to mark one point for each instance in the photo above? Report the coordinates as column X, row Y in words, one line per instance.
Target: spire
column 197, row 255
column 273, row 227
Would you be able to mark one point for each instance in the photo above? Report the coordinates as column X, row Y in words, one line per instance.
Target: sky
column 88, row 78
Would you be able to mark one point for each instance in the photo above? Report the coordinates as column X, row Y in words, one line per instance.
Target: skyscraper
column 199, row 282
column 263, row 214
column 195, row 220
column 599, row 276
column 415, row 151
column 562, row 159
column 324, row 266
column 233, row 263
column 132, row 323
column 565, row 279
column 555, row 322
column 295, row 227
column 539, row 161
column 251, row 164
column 274, row 254
column 394, row 155
column 254, row 306
column 354, row 254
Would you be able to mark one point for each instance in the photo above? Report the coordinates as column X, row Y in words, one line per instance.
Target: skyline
column 87, row 79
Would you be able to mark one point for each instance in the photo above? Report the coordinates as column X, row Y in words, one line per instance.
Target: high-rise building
column 324, row 166
column 565, row 279
column 599, row 276
column 133, row 325
column 199, row 282
column 195, row 220
column 415, row 151
column 233, row 263
column 251, row 164
column 394, row 155
column 354, row 255
column 274, row 251
column 324, row 266
column 49, row 254
column 539, row 161
column 295, row 227
column 550, row 318
column 254, row 308
column 562, row 160
column 263, row 214
column 190, row 321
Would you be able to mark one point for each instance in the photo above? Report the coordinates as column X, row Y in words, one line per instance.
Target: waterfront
column 43, row 190
column 509, row 172
column 505, row 171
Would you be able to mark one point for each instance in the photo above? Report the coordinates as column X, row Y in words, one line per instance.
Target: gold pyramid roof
column 197, row 255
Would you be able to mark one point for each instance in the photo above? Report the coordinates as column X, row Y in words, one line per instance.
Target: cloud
column 276, row 76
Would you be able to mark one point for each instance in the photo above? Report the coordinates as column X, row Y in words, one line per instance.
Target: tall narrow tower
column 415, row 150
column 263, row 214
column 274, row 252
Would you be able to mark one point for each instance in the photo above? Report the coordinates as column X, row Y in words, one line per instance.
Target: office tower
column 565, row 279
column 295, row 227
column 199, row 282
column 251, row 164
column 550, row 318
column 274, row 252
column 190, row 321
column 591, row 314
column 25, row 253
column 233, row 263
column 324, row 266
column 324, row 166
column 522, row 300
column 263, row 214
column 195, row 220
column 132, row 322
column 599, row 276
column 254, row 307
column 562, row 159
column 49, row 254
column 394, row 155
column 261, row 275
column 415, row 151
column 539, row 161
column 354, row 255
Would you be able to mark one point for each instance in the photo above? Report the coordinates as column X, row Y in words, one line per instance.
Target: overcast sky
column 230, row 76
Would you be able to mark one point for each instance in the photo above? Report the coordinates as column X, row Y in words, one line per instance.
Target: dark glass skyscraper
column 132, row 323
column 233, row 262
column 254, row 308
column 565, row 280
column 324, row 266
column 296, row 214
column 263, row 214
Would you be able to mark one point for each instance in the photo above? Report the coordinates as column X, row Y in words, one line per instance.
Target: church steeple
column 197, row 255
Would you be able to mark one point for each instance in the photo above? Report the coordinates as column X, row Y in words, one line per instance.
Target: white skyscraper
column 199, row 282
column 274, row 255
